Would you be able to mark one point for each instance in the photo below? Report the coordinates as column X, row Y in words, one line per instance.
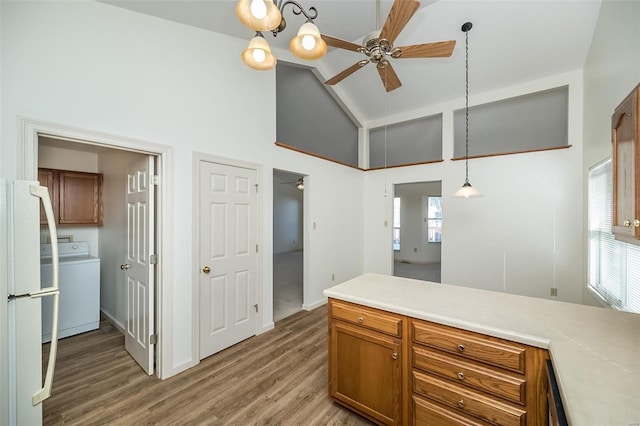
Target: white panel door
column 139, row 272
column 228, row 277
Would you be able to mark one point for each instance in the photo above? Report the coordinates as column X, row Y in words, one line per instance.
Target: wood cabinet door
column 79, row 198
column 45, row 177
column 365, row 372
column 626, row 164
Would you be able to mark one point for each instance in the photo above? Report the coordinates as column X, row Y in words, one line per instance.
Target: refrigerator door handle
column 43, row 193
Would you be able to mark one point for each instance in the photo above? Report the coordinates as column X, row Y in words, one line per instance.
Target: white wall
column 611, row 71
column 413, row 229
column 100, row 67
column 77, row 161
column 525, row 235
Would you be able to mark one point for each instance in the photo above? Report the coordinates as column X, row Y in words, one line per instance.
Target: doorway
column 109, row 241
column 417, row 230
column 288, row 243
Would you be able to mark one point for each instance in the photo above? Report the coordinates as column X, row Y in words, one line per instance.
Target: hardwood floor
column 276, row 378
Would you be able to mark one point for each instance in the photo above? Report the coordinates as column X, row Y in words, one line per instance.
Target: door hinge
column 153, row 339
column 256, row 306
column 153, row 259
column 155, row 180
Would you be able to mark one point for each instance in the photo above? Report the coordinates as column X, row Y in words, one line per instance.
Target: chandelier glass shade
column 259, row 15
column 265, row 15
column 258, row 55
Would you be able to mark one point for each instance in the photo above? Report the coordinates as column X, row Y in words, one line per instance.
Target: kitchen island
column 595, row 352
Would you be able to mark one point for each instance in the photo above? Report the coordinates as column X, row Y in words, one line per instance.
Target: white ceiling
column 512, row 41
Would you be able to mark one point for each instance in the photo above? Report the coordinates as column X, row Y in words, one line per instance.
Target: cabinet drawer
column 427, row 413
column 467, row 401
column 472, row 374
column 367, row 317
column 487, row 349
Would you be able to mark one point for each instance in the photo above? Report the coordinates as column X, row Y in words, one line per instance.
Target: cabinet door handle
column 461, row 348
column 461, row 403
column 394, row 355
column 360, row 319
column 461, row 375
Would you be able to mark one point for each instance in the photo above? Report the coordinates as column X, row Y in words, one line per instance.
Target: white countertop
column 595, row 351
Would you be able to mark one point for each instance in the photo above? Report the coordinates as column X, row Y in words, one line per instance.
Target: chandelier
column 265, row 15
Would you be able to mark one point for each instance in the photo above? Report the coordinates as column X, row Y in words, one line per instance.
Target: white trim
column 113, row 320
column 28, row 131
column 316, row 304
column 195, row 290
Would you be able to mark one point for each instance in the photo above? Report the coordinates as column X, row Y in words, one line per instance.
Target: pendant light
column 467, row 190
column 259, row 15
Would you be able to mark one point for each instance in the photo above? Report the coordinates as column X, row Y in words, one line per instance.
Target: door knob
column 627, row 223
column 125, row 266
column 206, row 269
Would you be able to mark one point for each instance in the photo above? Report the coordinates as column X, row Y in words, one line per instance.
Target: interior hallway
column 418, row 271
column 287, row 284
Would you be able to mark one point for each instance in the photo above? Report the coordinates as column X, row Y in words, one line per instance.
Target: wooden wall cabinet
column 76, row 196
column 625, row 131
column 395, row 369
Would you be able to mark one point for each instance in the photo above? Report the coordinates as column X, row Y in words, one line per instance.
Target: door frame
column 195, row 276
column 28, row 132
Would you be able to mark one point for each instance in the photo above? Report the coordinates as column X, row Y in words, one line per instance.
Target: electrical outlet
column 314, row 225
column 554, row 292
column 415, row 250
column 385, row 223
column 333, row 277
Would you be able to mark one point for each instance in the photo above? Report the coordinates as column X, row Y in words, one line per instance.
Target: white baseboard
column 266, row 327
column 117, row 324
column 312, row 306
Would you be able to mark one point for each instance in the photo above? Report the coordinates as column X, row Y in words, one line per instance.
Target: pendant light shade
column 259, row 15
column 258, row 55
column 467, row 190
column 308, row 44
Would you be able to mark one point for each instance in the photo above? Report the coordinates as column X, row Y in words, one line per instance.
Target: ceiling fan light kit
column 265, row 15
column 467, row 190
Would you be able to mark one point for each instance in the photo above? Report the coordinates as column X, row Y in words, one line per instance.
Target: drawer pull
column 461, row 375
column 461, row 348
column 360, row 319
column 394, row 355
column 461, row 403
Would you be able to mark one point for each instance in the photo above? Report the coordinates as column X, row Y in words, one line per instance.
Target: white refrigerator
column 22, row 384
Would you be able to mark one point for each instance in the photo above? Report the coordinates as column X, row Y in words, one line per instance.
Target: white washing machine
column 79, row 282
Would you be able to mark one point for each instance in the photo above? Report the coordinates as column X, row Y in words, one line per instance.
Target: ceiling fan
column 378, row 46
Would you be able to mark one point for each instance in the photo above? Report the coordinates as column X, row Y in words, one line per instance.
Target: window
column 614, row 266
column 396, row 223
column 434, row 219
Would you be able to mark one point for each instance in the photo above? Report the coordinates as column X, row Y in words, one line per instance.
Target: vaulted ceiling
column 512, row 41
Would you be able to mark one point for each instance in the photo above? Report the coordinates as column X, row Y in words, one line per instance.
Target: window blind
column 614, row 266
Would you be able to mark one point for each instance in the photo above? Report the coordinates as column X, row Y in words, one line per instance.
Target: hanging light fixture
column 265, row 15
column 467, row 190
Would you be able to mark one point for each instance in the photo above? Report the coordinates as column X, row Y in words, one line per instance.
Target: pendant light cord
column 466, row 107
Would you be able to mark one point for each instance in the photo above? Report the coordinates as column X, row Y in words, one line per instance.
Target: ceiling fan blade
column 342, row 44
column 389, row 77
column 346, row 73
column 399, row 15
column 440, row 49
